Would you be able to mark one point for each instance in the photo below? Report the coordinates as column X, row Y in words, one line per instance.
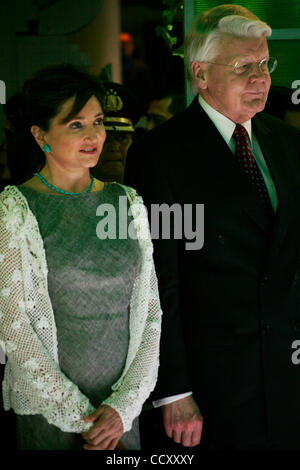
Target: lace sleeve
column 140, row 379
column 136, row 384
column 34, row 376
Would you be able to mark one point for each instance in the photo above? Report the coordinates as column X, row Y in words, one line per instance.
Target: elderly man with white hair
column 231, row 310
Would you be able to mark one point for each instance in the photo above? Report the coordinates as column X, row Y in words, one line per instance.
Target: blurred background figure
column 163, row 107
column 280, row 104
column 135, row 72
column 122, row 110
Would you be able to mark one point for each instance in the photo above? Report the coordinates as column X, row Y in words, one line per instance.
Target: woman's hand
column 106, row 431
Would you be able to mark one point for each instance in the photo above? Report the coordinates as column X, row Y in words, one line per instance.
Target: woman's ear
column 199, row 73
column 39, row 135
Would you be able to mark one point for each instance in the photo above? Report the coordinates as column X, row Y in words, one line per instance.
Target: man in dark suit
column 231, row 310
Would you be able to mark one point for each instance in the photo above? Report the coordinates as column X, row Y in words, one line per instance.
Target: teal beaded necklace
column 61, row 190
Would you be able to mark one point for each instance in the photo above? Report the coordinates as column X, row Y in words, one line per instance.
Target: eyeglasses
column 242, row 67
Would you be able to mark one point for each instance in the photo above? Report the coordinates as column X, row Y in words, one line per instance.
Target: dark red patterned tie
column 247, row 161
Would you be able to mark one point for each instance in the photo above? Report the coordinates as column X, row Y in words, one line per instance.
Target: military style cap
column 121, row 109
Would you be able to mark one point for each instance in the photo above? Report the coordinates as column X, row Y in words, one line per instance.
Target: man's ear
column 199, row 73
column 39, row 135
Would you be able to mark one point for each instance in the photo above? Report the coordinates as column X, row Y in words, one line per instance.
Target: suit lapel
column 286, row 210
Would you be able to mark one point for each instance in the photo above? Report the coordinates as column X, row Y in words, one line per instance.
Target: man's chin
column 257, row 100
column 256, row 106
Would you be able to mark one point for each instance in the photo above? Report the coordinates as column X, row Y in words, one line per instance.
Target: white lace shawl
column 33, row 382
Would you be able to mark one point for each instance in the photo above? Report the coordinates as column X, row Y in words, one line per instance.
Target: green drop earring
column 46, row 148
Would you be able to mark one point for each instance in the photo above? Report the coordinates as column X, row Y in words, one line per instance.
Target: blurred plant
column 171, row 14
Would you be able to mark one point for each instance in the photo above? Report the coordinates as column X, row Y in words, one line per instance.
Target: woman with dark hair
column 79, row 306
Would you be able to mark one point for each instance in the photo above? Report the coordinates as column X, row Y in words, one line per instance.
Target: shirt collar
column 224, row 125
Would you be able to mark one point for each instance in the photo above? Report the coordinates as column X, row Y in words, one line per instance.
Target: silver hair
column 202, row 42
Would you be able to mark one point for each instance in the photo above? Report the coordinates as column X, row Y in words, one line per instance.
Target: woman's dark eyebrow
column 65, row 120
column 82, row 117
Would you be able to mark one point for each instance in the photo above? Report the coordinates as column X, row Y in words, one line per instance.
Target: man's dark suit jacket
column 231, row 310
